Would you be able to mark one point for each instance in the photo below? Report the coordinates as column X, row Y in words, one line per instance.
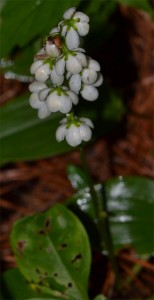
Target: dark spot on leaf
column 21, row 245
column 48, row 224
column 41, row 232
column 40, row 248
column 64, row 245
column 69, row 284
column 76, row 258
column 46, row 273
column 37, row 271
column 55, row 274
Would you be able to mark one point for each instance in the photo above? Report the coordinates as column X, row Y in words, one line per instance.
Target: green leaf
column 24, row 136
column 53, row 253
column 22, row 21
column 14, row 286
column 130, row 202
column 20, row 125
column 77, row 177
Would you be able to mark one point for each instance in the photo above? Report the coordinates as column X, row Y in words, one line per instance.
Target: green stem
column 101, row 213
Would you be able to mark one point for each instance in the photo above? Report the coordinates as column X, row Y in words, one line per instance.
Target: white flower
column 73, row 25
column 80, row 19
column 74, row 130
column 74, row 62
column 41, row 70
column 61, row 100
column 90, row 73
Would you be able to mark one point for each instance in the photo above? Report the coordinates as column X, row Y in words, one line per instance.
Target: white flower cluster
column 62, row 71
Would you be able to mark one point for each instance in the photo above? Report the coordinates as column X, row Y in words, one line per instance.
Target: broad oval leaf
column 53, row 253
column 130, row 202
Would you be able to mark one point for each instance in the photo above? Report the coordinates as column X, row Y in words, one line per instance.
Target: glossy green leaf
column 130, row 202
column 14, row 286
column 53, row 253
column 22, row 21
column 24, row 136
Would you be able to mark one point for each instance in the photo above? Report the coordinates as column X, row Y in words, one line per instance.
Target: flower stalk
column 102, row 219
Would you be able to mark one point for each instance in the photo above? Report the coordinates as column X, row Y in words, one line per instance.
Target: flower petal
column 36, row 86
column 73, row 65
column 54, row 30
column 74, row 98
column 87, row 122
column 43, row 112
column 34, row 101
column 83, row 28
column 53, row 102
column 85, row 132
column 43, row 94
column 60, row 133
column 72, row 39
column 75, row 83
column 62, row 28
column 82, row 59
column 80, row 15
column 65, row 104
column 89, row 76
column 89, row 92
column 42, row 73
column 69, row 12
column 73, row 136
column 55, row 78
column 36, row 64
column 94, row 65
column 60, row 66
column 99, row 80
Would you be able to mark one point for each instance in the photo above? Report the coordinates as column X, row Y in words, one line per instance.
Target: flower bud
column 51, row 49
column 60, row 103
